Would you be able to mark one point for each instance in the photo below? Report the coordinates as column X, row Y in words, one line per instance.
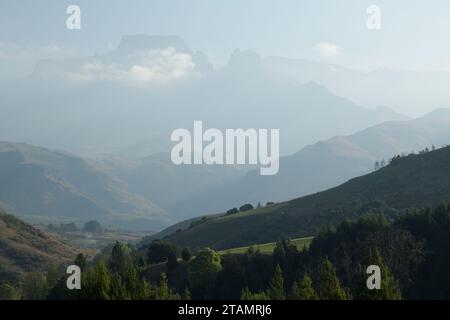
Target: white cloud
column 150, row 66
column 327, row 49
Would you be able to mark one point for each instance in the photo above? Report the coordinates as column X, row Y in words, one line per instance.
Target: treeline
column 412, row 252
column 381, row 164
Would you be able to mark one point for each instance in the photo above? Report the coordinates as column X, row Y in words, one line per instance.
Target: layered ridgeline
column 49, row 186
column 24, row 248
column 142, row 84
column 409, row 181
column 329, row 163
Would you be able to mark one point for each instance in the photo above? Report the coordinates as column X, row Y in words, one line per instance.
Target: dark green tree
column 203, row 271
column 389, row 288
column 328, row 284
column 303, row 290
column 276, row 285
column 159, row 251
column 186, row 254
column 172, row 261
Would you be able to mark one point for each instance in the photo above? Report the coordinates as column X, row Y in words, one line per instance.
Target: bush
column 246, row 207
column 93, row 227
column 232, row 211
column 159, row 251
column 186, row 254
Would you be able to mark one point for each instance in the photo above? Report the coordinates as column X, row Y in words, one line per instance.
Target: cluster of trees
column 34, row 285
column 246, row 207
column 90, row 226
column 411, row 250
column 243, row 208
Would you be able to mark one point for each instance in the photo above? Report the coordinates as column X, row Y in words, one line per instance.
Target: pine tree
column 303, row 290
column 246, row 294
column 276, row 285
column 143, row 290
column 328, row 284
column 102, row 282
column 163, row 292
column 389, row 288
column 118, row 290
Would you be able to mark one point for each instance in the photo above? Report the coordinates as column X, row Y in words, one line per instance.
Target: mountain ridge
column 416, row 180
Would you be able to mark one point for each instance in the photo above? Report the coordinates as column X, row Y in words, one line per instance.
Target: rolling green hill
column 411, row 181
column 24, row 248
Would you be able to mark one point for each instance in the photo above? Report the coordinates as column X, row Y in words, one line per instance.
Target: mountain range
column 151, row 85
column 329, row 163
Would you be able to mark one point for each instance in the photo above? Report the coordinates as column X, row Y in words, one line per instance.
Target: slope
column 410, row 181
column 24, row 248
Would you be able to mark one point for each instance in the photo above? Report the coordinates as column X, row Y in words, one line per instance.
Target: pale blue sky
column 414, row 34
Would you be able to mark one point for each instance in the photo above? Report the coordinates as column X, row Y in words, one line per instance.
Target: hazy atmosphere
column 226, row 124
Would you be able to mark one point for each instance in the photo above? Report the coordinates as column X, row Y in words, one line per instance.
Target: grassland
column 267, row 248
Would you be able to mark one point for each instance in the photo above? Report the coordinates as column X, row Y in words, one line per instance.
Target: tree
column 163, row 292
column 117, row 288
column 93, row 227
column 68, row 227
column 144, row 290
column 172, row 261
column 276, row 285
column 159, row 251
column 246, row 207
column 303, row 290
column 186, row 254
column 328, row 284
column 35, row 286
column 232, row 211
column 53, row 276
column 389, row 288
column 96, row 283
column 81, row 261
column 203, row 271
column 8, row 292
column 248, row 295
column 120, row 261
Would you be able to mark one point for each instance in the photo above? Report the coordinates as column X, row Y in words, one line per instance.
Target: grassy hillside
column 267, row 248
column 24, row 248
column 412, row 181
column 47, row 186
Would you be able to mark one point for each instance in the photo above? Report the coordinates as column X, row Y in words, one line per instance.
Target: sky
column 413, row 34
